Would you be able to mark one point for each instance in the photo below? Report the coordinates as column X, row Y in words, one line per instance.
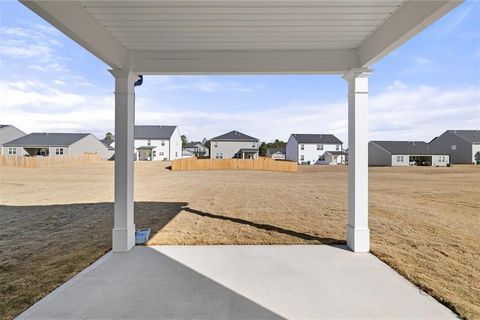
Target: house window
column 400, row 158
column 321, row 158
column 154, row 153
column 219, row 156
column 163, row 143
column 454, row 147
column 319, row 146
column 160, row 153
column 215, row 145
column 149, row 142
column 254, row 145
column 12, row 150
column 442, row 159
column 302, row 147
column 176, row 154
column 338, row 147
column 59, row 151
column 302, row 157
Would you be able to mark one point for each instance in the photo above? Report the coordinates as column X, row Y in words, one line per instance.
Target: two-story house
column 313, row 148
column 155, row 142
column 234, row 145
column 463, row 146
column 197, row 149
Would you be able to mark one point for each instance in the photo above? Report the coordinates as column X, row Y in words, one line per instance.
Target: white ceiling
column 241, row 36
column 241, row 25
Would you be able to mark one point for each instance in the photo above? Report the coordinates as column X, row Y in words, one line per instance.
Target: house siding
column 311, row 154
column 404, row 160
column 19, row 151
column 8, row 134
column 176, row 145
column 463, row 149
column 230, row 148
column 89, row 144
column 475, row 150
column 292, row 149
column 378, row 156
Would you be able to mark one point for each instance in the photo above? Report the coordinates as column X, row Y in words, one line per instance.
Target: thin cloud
column 420, row 112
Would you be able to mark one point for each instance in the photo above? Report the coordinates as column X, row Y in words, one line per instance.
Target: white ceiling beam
column 73, row 20
column 410, row 19
column 244, row 62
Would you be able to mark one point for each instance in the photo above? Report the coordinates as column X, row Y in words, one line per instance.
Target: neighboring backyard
column 424, row 222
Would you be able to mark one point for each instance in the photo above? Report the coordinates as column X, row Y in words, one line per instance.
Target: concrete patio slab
column 238, row 282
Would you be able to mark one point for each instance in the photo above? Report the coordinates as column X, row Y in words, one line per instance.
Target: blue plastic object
column 142, row 235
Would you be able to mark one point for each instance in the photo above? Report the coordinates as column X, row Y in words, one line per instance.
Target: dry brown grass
column 424, row 221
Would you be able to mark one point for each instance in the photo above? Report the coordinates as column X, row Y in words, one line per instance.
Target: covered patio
column 241, row 37
column 238, row 282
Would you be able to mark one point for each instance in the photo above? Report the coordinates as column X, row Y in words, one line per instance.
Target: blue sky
column 428, row 85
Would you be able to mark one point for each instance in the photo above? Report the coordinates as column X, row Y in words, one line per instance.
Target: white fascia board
column 406, row 22
column 71, row 18
column 243, row 62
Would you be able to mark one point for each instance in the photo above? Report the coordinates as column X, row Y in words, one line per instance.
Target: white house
column 197, row 149
column 311, row 148
column 154, row 142
column 405, row 153
column 234, row 144
column 462, row 145
column 9, row 133
column 333, row 158
column 56, row 144
column 276, row 153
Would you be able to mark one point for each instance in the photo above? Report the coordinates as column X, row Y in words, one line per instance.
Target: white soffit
column 241, row 36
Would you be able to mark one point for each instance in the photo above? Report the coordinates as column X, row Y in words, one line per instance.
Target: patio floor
column 238, row 282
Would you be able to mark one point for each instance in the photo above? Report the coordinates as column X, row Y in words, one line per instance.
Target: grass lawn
column 424, row 222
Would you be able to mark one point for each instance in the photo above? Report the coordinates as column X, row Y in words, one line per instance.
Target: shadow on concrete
column 267, row 227
column 41, row 247
column 145, row 284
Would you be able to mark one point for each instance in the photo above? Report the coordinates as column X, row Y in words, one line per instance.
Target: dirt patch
column 424, row 221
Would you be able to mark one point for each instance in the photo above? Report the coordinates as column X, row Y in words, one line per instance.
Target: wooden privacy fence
column 266, row 164
column 41, row 162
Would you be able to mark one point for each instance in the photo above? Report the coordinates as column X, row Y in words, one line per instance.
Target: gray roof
column 108, row 143
column 234, row 136
column 43, row 139
column 193, row 144
column 275, row 150
column 317, row 138
column 408, row 147
column 4, row 125
column 472, row 136
column 154, row 132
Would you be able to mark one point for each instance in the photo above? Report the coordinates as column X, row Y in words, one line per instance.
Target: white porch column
column 123, row 236
column 358, row 234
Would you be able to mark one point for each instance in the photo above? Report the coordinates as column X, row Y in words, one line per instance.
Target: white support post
column 123, row 235
column 358, row 234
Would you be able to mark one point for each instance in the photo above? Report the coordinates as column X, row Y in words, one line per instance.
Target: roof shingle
column 154, row 132
column 44, row 139
column 234, row 136
column 317, row 138
column 472, row 136
column 408, row 147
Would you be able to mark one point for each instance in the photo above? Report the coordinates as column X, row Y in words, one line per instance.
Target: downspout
column 137, row 83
